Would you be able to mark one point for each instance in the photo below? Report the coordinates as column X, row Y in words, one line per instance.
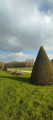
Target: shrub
column 42, row 73
column 5, row 68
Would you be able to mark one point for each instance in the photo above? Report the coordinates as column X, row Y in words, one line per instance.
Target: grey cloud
column 24, row 25
column 46, row 6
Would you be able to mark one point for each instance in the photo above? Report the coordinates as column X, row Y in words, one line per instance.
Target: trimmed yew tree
column 42, row 73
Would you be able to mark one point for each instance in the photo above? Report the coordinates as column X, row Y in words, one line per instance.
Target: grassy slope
column 25, row 68
column 19, row 100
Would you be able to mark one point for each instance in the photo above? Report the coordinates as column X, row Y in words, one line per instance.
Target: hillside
column 19, row 100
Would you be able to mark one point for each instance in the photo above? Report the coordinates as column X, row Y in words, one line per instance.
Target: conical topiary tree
column 42, row 73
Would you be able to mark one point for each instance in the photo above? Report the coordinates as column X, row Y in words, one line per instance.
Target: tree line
column 27, row 63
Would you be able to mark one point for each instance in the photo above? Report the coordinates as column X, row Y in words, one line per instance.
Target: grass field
column 19, row 100
column 25, row 68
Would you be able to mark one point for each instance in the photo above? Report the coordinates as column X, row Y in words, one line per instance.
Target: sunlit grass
column 24, row 68
column 20, row 100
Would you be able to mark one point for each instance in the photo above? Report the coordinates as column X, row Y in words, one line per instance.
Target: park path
column 26, row 71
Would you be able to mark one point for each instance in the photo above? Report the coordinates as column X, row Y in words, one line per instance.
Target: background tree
column 1, row 65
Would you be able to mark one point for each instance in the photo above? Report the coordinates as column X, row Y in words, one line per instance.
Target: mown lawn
column 19, row 100
column 24, row 68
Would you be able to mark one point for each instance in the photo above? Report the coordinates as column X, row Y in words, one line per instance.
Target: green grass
column 19, row 100
column 25, row 68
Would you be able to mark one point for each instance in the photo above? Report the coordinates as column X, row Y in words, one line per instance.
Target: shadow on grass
column 18, row 78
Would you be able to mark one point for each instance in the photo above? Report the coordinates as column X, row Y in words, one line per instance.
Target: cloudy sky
column 25, row 25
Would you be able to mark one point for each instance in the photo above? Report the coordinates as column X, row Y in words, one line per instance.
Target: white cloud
column 16, row 57
column 50, row 56
column 20, row 57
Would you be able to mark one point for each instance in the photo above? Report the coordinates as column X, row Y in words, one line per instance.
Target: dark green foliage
column 15, row 64
column 42, row 73
column 5, row 68
column 52, row 61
